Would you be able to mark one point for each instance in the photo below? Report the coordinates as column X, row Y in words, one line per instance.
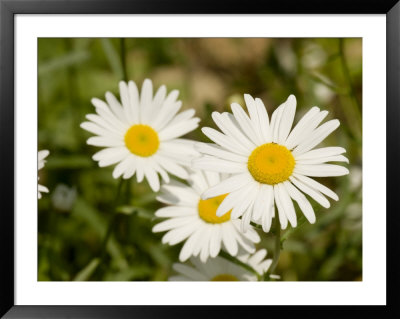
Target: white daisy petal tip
column 41, row 163
column 292, row 99
column 248, row 98
column 312, row 220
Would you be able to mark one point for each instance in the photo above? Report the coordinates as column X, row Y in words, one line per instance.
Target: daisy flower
column 220, row 269
column 194, row 220
column 141, row 134
column 271, row 164
column 41, row 161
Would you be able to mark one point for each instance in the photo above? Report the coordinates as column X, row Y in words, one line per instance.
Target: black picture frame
column 8, row 10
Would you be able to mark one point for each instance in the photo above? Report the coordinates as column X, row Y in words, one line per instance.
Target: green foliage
column 210, row 74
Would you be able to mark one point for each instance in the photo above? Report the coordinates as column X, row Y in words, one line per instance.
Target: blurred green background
column 210, row 73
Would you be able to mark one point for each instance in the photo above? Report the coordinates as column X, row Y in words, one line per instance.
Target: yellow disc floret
column 224, row 277
column 271, row 164
column 142, row 140
column 208, row 210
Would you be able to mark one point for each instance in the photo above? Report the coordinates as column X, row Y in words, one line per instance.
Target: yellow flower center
column 271, row 164
column 142, row 140
column 224, row 277
column 208, row 210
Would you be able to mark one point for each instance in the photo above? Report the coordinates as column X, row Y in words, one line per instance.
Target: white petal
column 234, row 198
column 281, row 208
column 116, row 107
column 213, row 178
column 43, row 154
column 172, row 223
column 42, row 189
column 317, row 186
column 321, row 152
column 175, row 147
column 106, row 125
column 171, row 167
column 198, row 182
column 177, row 158
column 304, row 127
column 177, row 235
column 178, row 129
column 258, row 256
column 104, row 112
column 224, row 122
column 205, row 250
column 201, row 242
column 259, row 202
column 183, row 116
column 266, row 218
column 146, row 97
column 264, row 121
column 160, row 96
column 249, row 196
column 217, row 151
column 134, row 102
column 121, row 167
column 175, row 211
column 104, row 141
column 317, row 196
column 317, row 137
column 181, row 194
column 111, row 155
column 244, row 242
column 246, row 217
column 166, row 114
column 245, row 123
column 189, row 272
column 287, row 204
column 228, row 185
column 213, row 164
column 275, row 121
column 215, row 240
column 131, row 169
column 253, row 112
column 251, row 234
column 140, row 163
column 126, row 103
column 224, row 141
column 321, row 160
column 96, row 129
column 152, row 178
column 229, row 241
column 287, row 119
column 304, row 204
column 321, row 170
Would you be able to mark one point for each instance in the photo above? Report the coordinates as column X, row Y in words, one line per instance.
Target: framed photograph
column 163, row 155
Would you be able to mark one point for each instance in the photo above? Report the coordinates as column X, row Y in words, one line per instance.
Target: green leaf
column 63, row 62
column 84, row 210
column 86, row 272
column 112, row 57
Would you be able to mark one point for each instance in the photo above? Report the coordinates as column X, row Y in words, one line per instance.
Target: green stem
column 236, row 261
column 277, row 247
column 346, row 72
column 123, row 60
column 256, row 225
column 111, row 223
column 302, row 220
